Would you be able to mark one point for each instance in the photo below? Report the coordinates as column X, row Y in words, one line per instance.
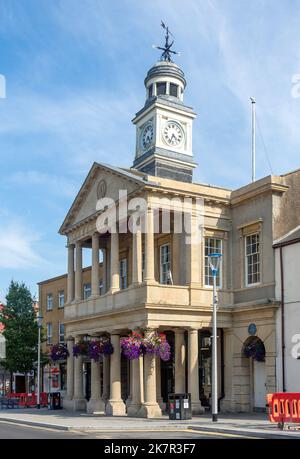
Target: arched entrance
column 254, row 349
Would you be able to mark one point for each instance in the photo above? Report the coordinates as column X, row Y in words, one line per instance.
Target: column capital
column 70, row 338
column 179, row 331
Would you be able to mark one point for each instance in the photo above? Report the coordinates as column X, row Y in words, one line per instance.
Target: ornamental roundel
column 101, row 189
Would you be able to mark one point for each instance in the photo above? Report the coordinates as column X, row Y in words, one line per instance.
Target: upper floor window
column 49, row 333
column 123, row 273
column 87, row 291
column 101, row 287
column 61, row 299
column 252, row 262
column 49, row 302
column 173, row 90
column 61, row 333
column 161, row 88
column 165, row 264
column 212, row 245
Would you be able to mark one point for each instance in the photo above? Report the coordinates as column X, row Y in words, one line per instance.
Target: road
column 18, row 431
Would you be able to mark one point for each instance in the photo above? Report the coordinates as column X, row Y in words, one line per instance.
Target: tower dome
column 165, row 79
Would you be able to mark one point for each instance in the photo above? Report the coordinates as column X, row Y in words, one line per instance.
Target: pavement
column 254, row 425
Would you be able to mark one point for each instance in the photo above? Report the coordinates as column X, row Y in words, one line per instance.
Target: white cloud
column 17, row 247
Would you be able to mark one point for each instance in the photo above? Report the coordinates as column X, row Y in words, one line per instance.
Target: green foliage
column 21, row 329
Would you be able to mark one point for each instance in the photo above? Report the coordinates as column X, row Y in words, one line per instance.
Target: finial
column 167, row 51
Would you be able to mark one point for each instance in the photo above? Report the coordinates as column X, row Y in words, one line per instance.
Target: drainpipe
column 282, row 321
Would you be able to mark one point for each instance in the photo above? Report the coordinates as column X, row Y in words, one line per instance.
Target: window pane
column 173, row 90
column 212, row 245
column 161, row 88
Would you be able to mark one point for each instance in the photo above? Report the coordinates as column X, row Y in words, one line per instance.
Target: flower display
column 80, row 348
column 132, row 346
column 137, row 344
column 58, row 352
column 98, row 347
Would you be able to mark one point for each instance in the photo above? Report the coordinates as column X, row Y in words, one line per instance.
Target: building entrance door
column 259, row 383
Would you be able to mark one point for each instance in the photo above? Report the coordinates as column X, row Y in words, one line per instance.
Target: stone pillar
column 150, row 407
column 95, row 265
column 70, row 296
column 70, row 369
column 149, row 247
column 135, row 404
column 114, row 262
column 179, row 361
column 158, row 384
column 193, row 372
column 78, row 273
column 79, row 401
column 115, row 405
column 104, row 270
column 137, row 257
column 106, row 378
column 95, row 404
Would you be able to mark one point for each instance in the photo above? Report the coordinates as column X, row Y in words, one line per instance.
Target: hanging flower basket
column 99, row 347
column 58, row 352
column 136, row 344
column 80, row 348
column 255, row 349
column 132, row 346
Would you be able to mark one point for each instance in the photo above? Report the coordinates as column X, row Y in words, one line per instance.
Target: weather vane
column 167, row 51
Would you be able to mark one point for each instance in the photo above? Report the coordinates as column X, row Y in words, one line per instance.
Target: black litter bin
column 54, row 401
column 180, row 407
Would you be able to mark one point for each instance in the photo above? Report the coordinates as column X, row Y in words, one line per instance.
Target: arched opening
column 254, row 350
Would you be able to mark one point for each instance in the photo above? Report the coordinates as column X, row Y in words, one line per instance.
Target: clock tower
column 164, row 124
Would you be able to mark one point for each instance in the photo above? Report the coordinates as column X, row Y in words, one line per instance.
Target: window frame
column 48, row 296
column 220, row 273
column 157, row 86
column 49, row 327
column 174, row 85
column 161, row 264
column 89, row 285
column 123, row 262
column 246, row 257
column 60, row 294
column 61, row 334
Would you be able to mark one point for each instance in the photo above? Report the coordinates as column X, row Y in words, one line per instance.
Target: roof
column 292, row 237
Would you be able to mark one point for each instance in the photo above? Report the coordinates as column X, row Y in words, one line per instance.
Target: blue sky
column 74, row 71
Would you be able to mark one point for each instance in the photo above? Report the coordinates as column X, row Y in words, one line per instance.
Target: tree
column 20, row 329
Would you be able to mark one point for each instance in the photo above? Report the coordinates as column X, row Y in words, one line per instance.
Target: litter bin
column 54, row 401
column 180, row 407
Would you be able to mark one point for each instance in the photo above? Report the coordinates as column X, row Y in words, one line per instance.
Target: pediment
column 102, row 181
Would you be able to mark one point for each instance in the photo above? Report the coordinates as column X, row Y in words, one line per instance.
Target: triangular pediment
column 102, row 181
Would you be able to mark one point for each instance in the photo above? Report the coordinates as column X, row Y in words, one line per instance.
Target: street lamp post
column 39, row 322
column 214, row 262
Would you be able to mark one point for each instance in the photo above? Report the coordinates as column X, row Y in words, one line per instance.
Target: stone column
column 78, row 273
column 95, row 404
column 95, row 265
column 135, row 404
column 193, row 372
column 150, row 407
column 149, row 247
column 70, row 296
column 137, row 257
column 158, row 384
column 115, row 405
column 114, row 262
column 79, row 401
column 179, row 361
column 104, row 270
column 106, row 378
column 70, row 369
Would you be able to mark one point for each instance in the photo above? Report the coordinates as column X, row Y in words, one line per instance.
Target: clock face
column 147, row 135
column 173, row 133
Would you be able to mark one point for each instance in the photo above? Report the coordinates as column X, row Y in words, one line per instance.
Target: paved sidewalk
column 254, row 424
